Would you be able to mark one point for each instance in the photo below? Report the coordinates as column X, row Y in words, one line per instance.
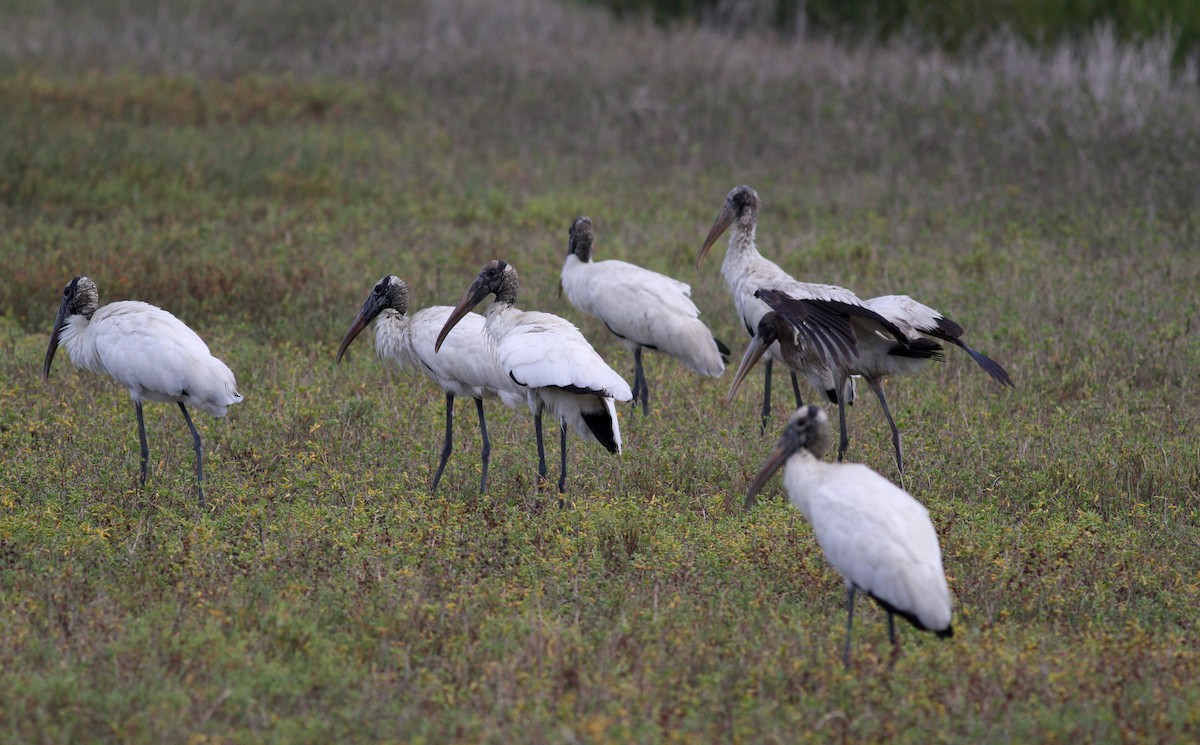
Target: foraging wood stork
column 465, row 366
column 834, row 318
column 878, row 355
column 874, row 533
column 548, row 356
column 149, row 351
column 644, row 309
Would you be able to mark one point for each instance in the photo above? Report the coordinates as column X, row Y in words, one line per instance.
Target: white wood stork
column 547, row 355
column 149, row 351
column 834, row 318
column 874, row 533
column 644, row 309
column 465, row 366
column 878, row 355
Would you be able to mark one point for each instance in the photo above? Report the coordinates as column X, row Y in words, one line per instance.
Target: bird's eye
column 379, row 289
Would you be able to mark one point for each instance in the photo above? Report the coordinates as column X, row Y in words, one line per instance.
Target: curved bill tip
column 753, row 354
column 356, row 328
column 776, row 459
column 469, row 300
column 59, row 320
column 722, row 223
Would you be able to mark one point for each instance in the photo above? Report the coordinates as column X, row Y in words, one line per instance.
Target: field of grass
column 256, row 167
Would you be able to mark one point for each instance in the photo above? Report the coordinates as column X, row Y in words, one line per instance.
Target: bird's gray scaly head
column 741, row 207
column 809, row 429
column 579, row 239
column 80, row 297
column 389, row 293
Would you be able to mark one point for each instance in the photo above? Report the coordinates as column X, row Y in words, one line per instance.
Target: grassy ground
column 256, row 178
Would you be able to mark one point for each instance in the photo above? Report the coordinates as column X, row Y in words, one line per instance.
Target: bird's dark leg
column 487, row 445
column 199, row 455
column 892, row 638
column 849, row 625
column 844, row 440
column 537, row 430
column 796, row 390
column 766, row 408
column 447, row 442
column 142, row 438
column 640, row 381
column 878, row 388
column 562, row 477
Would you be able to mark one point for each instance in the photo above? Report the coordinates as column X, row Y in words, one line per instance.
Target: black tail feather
column 990, row 366
column 600, row 423
column 723, row 349
column 918, row 349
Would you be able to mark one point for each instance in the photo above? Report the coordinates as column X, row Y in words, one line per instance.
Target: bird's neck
column 80, row 345
column 393, row 339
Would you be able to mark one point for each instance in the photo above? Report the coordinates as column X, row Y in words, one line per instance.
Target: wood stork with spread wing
column 834, row 318
column 548, row 356
column 874, row 533
column 149, row 351
column 644, row 309
column 880, row 356
column 465, row 366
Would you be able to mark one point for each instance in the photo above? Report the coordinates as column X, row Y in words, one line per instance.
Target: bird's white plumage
column 877, row 536
column 645, row 309
column 551, row 357
column 465, row 365
column 912, row 317
column 153, row 354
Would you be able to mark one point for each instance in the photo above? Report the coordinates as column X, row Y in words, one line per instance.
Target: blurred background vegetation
column 949, row 24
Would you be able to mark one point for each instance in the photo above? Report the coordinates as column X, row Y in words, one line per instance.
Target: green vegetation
column 1047, row 200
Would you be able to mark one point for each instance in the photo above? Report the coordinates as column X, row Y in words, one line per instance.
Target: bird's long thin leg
column 796, row 390
column 878, row 388
column 447, row 442
column 562, row 478
column 849, row 625
column 766, row 407
column 487, row 445
column 640, row 380
column 891, row 628
column 537, row 431
column 199, row 454
column 142, row 438
column 637, row 376
column 844, row 440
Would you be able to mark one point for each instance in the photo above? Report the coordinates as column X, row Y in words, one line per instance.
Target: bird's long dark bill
column 360, row 323
column 474, row 294
column 776, row 459
column 724, row 220
column 59, row 320
column 754, row 352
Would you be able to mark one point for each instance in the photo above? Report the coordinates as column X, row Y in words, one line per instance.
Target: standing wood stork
column 464, row 368
column 879, row 356
column 644, row 309
column 147, row 350
column 834, row 318
column 548, row 356
column 874, row 533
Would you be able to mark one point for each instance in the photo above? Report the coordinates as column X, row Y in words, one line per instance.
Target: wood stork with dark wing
column 644, row 309
column 147, row 350
column 465, row 366
column 834, row 317
column 548, row 356
column 878, row 355
column 874, row 533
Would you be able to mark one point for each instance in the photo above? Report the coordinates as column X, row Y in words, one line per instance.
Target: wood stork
column 465, row 366
column 149, row 351
column 644, row 309
column 834, row 317
column 879, row 356
column 874, row 533
column 548, row 356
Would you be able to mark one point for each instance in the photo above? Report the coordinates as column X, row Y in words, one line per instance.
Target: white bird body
column 550, row 358
column 150, row 352
column 875, row 534
column 466, row 365
column 644, row 309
